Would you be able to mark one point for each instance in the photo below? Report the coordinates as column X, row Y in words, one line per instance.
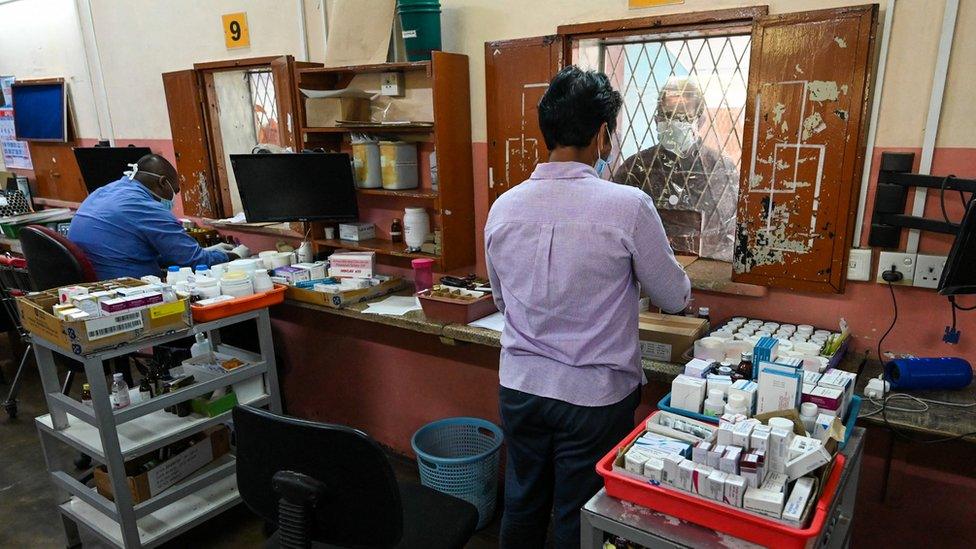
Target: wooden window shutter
column 517, row 73
column 287, row 96
column 184, row 102
column 803, row 147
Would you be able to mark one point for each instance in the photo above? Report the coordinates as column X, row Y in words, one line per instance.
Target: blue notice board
column 40, row 111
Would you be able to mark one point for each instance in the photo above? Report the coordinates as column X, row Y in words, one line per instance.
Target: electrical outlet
column 928, row 270
column 901, row 262
column 859, row 265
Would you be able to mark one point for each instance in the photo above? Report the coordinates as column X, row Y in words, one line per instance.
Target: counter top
column 941, row 421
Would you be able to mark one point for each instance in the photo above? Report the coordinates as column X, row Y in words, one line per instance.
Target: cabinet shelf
column 405, row 193
column 381, row 247
column 380, row 67
column 371, row 128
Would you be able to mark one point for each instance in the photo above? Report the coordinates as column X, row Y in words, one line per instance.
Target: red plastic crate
column 739, row 523
column 239, row 305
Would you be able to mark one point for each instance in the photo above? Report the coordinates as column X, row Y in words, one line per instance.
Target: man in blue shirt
column 126, row 228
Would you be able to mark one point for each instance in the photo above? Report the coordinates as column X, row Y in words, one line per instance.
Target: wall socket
column 901, row 262
column 928, row 270
column 859, row 264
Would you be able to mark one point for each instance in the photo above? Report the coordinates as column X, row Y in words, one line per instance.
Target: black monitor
column 100, row 166
column 296, row 187
column 959, row 274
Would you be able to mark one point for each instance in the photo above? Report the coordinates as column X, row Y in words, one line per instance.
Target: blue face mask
column 601, row 164
column 164, row 202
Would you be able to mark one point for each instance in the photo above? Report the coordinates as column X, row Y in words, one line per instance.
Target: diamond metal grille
column 261, row 83
column 640, row 68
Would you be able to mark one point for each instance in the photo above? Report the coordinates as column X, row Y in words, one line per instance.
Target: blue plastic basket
column 459, row 456
column 852, row 412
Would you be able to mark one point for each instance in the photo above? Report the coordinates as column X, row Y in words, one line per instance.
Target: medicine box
column 796, row 504
column 652, row 441
column 688, row 393
column 653, row 469
column 667, row 337
column 779, row 449
column 699, row 479
column 741, row 433
column 357, row 231
column 725, row 431
column 352, row 264
column 669, row 473
column 686, row 475
column 697, row 367
column 827, row 399
column 722, row 383
column 759, row 439
column 699, row 454
column 806, row 463
column 730, row 461
column 779, row 388
column 715, row 485
column 293, row 274
column 748, row 391
column 735, row 489
column 764, row 502
column 315, row 270
column 715, row 455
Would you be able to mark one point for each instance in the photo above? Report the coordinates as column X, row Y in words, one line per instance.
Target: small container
column 745, row 365
column 173, row 275
column 780, row 423
column 217, row 271
column 703, row 313
column 202, row 271
column 207, row 286
column 366, row 164
column 120, row 392
column 715, row 403
column 169, row 294
column 330, row 233
column 416, row 226
column 725, row 368
column 396, row 231
column 236, row 284
column 736, row 405
column 423, row 274
column 808, row 415
column 262, row 282
column 398, row 164
column 86, row 395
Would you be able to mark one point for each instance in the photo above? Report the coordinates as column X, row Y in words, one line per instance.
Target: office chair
column 53, row 260
column 14, row 282
column 330, row 484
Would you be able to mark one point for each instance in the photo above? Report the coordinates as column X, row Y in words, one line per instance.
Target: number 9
column 235, row 31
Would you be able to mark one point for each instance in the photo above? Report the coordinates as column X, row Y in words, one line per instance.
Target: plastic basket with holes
column 459, row 456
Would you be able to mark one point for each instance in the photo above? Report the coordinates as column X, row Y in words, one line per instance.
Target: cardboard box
column 209, row 445
column 779, row 388
column 730, row 461
column 352, row 264
column 715, row 456
column 764, row 502
column 796, row 504
column 759, row 438
column 667, row 337
column 652, row 441
column 775, row 482
column 807, row 463
column 688, row 393
column 293, row 274
column 316, row 271
column 697, row 367
column 653, row 469
column 742, row 433
column 699, row 479
column 748, row 390
column 735, row 489
column 669, row 473
column 722, row 383
column 326, row 112
column 715, row 485
column 87, row 336
column 725, row 432
column 779, row 449
column 634, row 461
column 357, row 231
column 342, row 299
column 686, row 476
column 828, row 399
column 699, row 454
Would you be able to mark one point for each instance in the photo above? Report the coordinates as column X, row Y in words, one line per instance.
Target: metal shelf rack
column 112, row 437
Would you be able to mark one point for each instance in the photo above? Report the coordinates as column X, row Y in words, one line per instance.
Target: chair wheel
column 11, row 408
column 83, row 462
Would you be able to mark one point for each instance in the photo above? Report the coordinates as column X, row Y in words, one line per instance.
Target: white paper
column 494, row 321
column 344, row 92
column 394, row 306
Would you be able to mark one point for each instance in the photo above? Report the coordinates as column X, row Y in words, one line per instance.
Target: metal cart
column 608, row 515
column 113, row 437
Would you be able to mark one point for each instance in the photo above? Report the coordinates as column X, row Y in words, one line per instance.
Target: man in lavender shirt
column 567, row 254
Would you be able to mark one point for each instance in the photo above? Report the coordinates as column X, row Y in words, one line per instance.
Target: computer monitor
column 296, row 187
column 40, row 111
column 100, row 166
column 959, row 274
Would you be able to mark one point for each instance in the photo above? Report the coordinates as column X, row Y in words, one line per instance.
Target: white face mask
column 677, row 136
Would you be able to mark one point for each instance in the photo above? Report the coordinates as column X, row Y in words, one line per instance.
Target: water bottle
column 120, row 392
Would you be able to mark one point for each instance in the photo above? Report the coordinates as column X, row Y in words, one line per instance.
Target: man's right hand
column 222, row 247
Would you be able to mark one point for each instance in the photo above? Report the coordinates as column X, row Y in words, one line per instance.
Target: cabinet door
column 184, row 102
column 803, row 147
column 517, row 73
column 287, row 96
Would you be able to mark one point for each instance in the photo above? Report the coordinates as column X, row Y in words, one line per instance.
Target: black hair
column 574, row 106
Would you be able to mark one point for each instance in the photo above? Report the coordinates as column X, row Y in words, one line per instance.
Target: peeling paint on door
column 821, row 91
column 840, row 41
column 813, row 124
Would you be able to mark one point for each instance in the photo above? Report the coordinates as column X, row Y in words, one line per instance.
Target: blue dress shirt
column 124, row 231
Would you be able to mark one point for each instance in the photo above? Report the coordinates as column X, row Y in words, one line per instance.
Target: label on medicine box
column 653, row 350
column 357, row 231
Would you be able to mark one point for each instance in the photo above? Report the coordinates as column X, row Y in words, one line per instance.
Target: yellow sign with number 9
column 236, row 34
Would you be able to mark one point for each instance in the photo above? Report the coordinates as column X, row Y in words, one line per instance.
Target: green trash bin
column 421, row 24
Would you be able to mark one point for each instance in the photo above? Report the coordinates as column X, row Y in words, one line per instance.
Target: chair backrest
column 361, row 506
column 53, row 260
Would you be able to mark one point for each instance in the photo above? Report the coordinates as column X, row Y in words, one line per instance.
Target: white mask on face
column 677, row 136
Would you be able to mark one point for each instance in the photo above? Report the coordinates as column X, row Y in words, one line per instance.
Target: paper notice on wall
column 359, row 32
column 15, row 153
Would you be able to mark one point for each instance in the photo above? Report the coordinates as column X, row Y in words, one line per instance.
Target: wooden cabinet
column 435, row 91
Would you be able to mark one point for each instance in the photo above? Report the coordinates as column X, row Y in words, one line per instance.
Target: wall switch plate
column 859, row 265
column 391, row 84
column 901, row 262
column 928, row 270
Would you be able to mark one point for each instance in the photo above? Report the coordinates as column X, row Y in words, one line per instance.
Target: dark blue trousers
column 553, row 447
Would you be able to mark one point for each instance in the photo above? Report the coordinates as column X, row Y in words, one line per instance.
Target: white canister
column 366, row 164
column 217, row 271
column 236, row 284
column 261, row 281
column 208, row 287
column 416, row 227
column 399, row 165
column 279, row 259
column 243, row 265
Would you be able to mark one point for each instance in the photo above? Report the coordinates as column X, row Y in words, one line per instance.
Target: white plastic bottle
column 736, row 405
column 201, row 347
column 202, row 271
column 808, row 415
column 715, row 403
column 173, row 275
column 120, row 392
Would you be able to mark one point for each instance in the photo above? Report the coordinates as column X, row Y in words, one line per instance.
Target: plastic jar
column 715, row 403
column 208, row 287
column 399, row 168
column 423, row 273
column 262, row 282
column 737, row 405
column 173, row 275
column 366, row 164
column 808, row 415
column 416, row 226
column 236, row 284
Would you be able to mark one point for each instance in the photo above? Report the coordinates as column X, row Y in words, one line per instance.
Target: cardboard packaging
column 293, row 274
column 735, row 489
column 715, row 455
column 759, row 439
column 699, row 454
column 742, row 433
column 748, row 390
column 821, row 426
column 722, row 383
column 730, row 461
column 779, row 388
column 779, row 449
column 357, row 231
column 699, row 479
column 802, row 445
column 725, row 433
column 316, row 271
column 828, row 399
column 686, row 475
column 654, row 469
column 697, row 367
column 715, row 485
column 343, row 297
column 669, row 472
column 775, row 482
column 66, row 293
column 634, row 461
column 688, row 393
column 652, row 441
column 352, row 264
column 667, row 337
column 326, row 112
column 209, row 445
column 764, row 502
column 806, row 463
column 796, row 504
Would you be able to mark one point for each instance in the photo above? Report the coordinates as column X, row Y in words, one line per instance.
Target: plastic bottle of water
column 120, row 392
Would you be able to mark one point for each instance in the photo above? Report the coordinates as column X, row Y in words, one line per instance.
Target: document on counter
column 394, row 306
column 494, row 321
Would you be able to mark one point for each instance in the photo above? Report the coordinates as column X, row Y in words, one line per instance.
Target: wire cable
column 894, row 320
